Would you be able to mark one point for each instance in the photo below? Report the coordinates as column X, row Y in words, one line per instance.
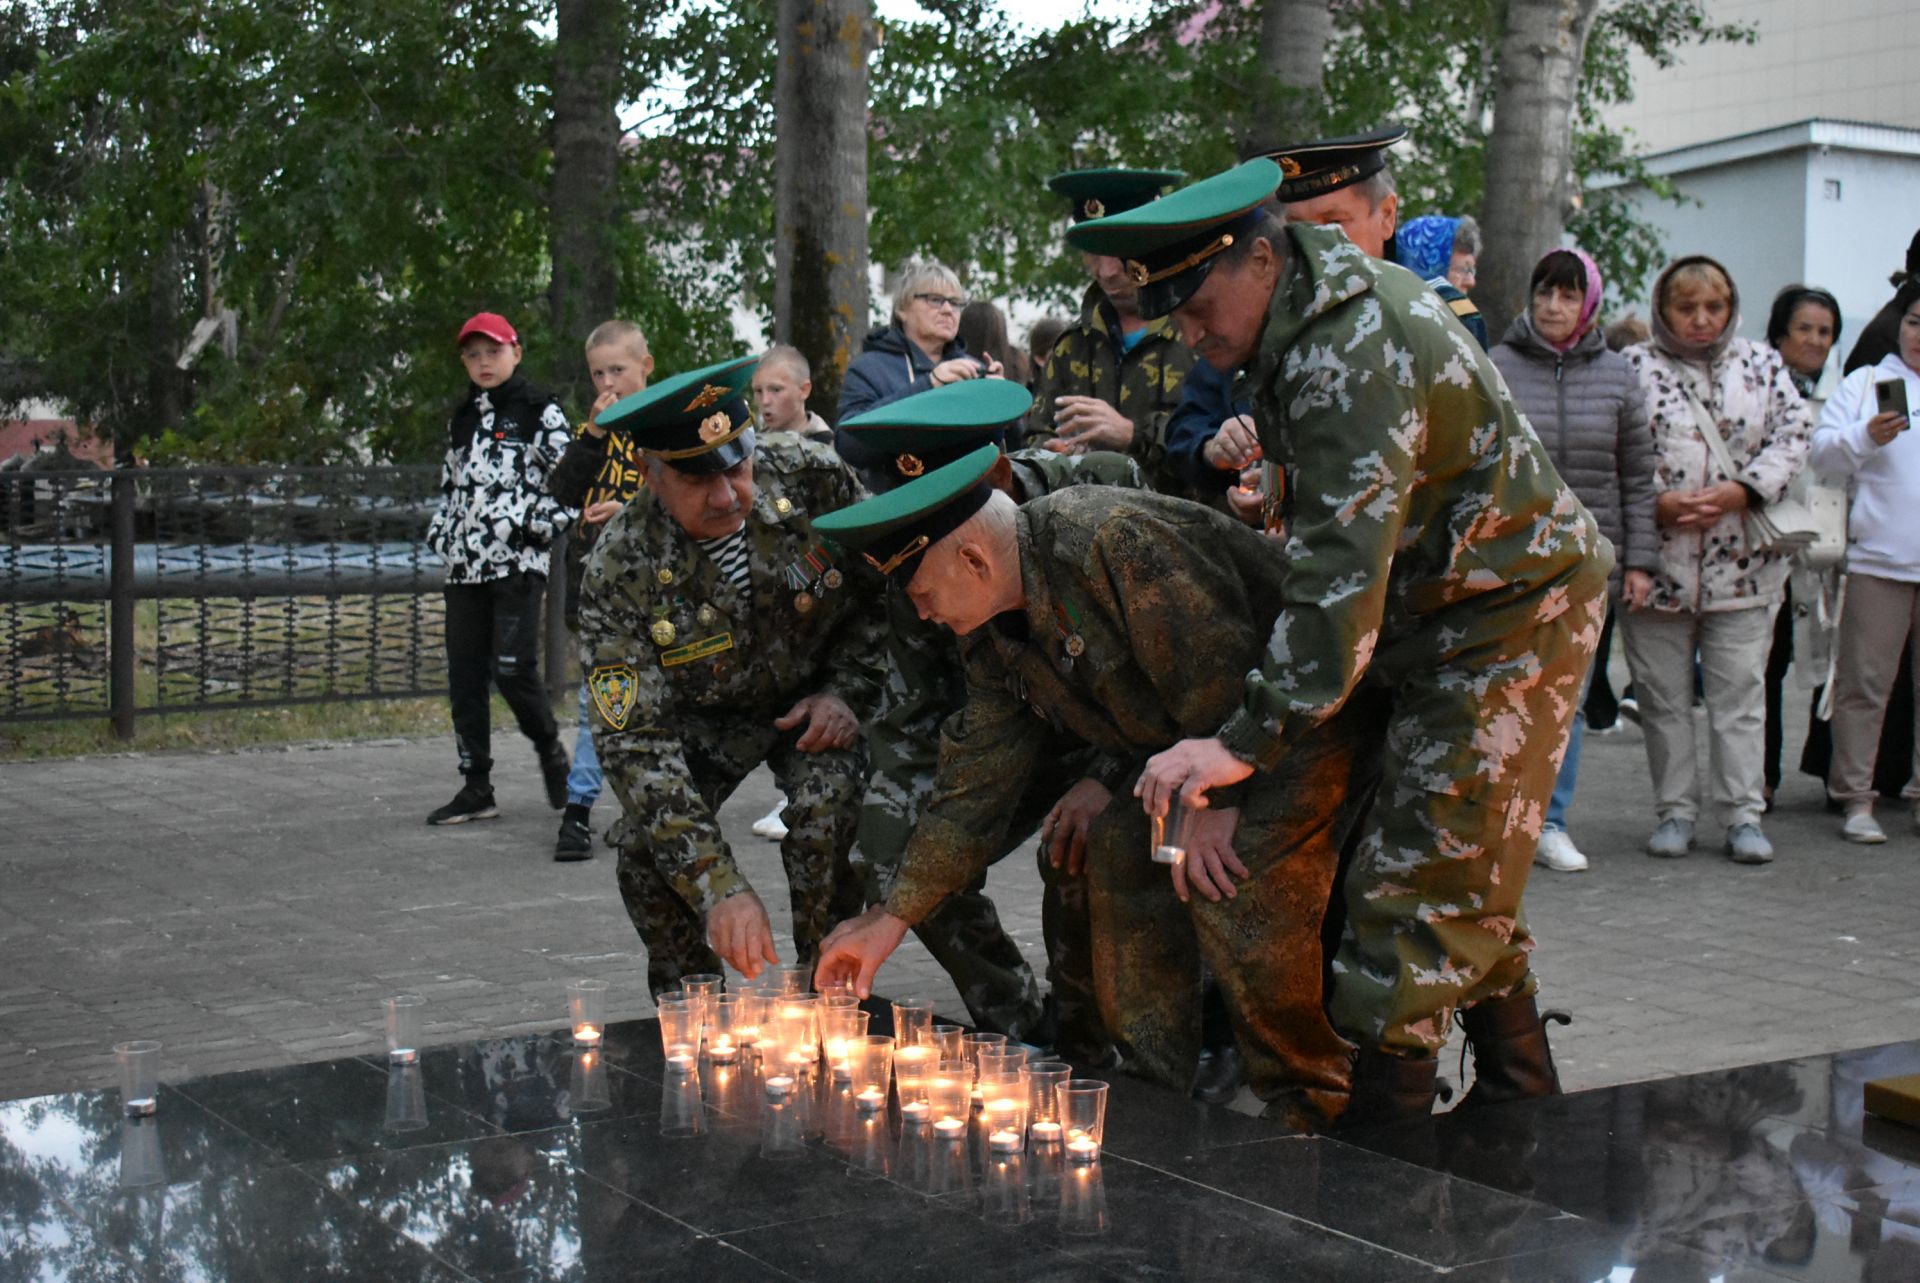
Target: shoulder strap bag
column 1785, row 526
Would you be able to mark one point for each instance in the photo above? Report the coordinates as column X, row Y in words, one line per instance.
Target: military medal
column 803, row 602
column 706, row 615
column 833, row 578
column 665, row 576
column 812, row 574
column 783, row 505
column 663, row 633
column 1066, row 626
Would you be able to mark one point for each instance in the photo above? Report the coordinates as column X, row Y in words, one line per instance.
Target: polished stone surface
column 518, row 1159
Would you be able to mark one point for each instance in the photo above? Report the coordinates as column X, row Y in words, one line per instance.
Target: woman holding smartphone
column 1864, row 434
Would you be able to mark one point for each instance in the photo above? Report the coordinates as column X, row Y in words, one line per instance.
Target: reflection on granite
column 522, row 1159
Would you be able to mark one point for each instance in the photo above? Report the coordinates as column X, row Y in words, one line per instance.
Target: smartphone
column 1891, row 396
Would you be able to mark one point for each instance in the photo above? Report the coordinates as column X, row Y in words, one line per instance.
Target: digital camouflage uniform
column 1143, row 384
column 1431, row 550
column 688, row 674
column 1142, row 614
column 964, row 935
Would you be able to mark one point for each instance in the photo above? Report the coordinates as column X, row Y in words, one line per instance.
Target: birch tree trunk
column 1530, row 152
column 820, row 187
column 1292, row 86
column 586, row 150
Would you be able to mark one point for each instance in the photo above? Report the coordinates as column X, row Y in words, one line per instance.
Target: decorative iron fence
column 180, row 589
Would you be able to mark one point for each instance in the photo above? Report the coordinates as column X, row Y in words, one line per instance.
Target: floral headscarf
column 1424, row 245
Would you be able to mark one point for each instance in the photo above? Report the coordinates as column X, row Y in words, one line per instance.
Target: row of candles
column 939, row 1073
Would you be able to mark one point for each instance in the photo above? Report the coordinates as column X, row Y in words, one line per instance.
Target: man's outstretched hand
column 739, row 932
column 854, row 950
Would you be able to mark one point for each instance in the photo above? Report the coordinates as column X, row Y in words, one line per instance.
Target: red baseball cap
column 491, row 324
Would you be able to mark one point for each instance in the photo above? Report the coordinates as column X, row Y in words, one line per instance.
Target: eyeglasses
column 938, row 301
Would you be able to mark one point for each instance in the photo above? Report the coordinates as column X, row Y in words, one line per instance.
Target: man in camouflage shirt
column 1125, row 619
column 718, row 632
column 1113, row 378
column 924, row 688
column 1429, row 549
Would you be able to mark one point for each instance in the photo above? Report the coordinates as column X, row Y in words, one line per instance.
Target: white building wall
column 1857, row 238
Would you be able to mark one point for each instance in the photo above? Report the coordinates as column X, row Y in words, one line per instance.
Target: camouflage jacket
column 1124, row 590
column 924, row 683
column 1425, row 521
column 1143, row 384
column 662, row 635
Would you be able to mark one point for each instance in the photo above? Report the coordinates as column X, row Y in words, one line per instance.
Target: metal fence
column 179, row 589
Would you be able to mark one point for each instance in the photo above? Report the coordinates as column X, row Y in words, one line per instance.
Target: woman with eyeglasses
column 920, row 349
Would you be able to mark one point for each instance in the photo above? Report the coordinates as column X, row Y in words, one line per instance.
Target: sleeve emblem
column 615, row 687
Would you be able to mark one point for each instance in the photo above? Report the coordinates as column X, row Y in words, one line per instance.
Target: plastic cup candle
column 1044, row 1080
column 912, row 1022
column 950, row 1129
column 1083, row 1111
column 947, row 1089
column 974, row 1044
column 1045, row 1133
column 842, row 1026
column 587, row 1010
column 139, row 1076
column 1169, row 840
column 1003, row 1110
column 779, row 1085
column 724, row 1017
column 680, row 1030
column 871, row 1058
column 916, row 1112
column 946, row 1041
column 403, row 1027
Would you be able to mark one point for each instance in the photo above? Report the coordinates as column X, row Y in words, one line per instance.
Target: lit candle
column 1083, row 1149
column 916, row 1111
column 798, row 1062
column 950, row 1129
column 793, row 1013
column 681, row 1064
column 913, row 1056
column 1046, row 1133
column 587, row 1035
column 871, row 1098
column 1003, row 1140
column 720, row 1047
column 779, row 1085
column 680, row 1055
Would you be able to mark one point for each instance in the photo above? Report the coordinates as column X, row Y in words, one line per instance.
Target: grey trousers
column 1732, row 645
column 1881, row 620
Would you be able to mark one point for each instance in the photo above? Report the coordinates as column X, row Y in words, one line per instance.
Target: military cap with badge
column 931, row 429
column 698, row 421
column 1096, row 193
column 1170, row 245
column 1328, row 164
column 893, row 531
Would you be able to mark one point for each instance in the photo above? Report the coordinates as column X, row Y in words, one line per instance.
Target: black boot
column 1390, row 1089
column 553, row 773
column 1511, row 1059
column 576, row 834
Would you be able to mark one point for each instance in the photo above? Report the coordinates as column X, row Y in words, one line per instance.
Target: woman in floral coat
column 1715, row 594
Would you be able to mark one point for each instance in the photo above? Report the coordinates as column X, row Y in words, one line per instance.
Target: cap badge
column 709, row 395
column 715, row 427
column 1094, row 208
column 1289, row 167
column 1137, row 272
column 910, row 465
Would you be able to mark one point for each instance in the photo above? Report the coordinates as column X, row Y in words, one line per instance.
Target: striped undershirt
column 729, row 553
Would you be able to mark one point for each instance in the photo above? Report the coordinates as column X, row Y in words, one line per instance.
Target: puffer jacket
column 1587, row 408
column 889, row 367
column 1767, row 430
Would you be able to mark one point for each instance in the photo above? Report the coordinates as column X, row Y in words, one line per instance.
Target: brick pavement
column 250, row 909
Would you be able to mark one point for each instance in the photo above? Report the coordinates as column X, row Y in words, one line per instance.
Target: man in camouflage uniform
column 1125, row 619
column 1113, row 379
column 924, row 688
column 718, row 632
column 1430, row 549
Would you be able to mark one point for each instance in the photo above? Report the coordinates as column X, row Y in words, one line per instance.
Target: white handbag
column 1786, row 525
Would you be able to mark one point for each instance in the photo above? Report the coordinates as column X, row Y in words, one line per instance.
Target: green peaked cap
column 697, row 421
column 1169, row 245
column 894, row 530
column 932, row 429
column 1096, row 193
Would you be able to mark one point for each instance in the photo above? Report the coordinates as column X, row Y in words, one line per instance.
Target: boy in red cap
column 496, row 521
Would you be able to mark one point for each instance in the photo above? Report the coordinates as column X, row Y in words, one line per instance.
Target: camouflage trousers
column 823, row 797
column 965, row 936
column 1433, row 896
column 1262, row 946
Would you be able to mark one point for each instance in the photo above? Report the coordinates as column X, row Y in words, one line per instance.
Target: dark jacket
column 889, row 367
column 1588, row 409
column 592, row 470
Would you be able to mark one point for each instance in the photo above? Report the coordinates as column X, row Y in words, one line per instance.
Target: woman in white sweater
column 1877, row 450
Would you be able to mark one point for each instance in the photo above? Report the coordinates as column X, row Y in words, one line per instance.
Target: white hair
column 916, row 276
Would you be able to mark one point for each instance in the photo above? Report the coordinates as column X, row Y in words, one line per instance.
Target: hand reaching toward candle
column 739, row 932
column 854, row 950
column 1210, row 856
column 1189, row 768
column 1064, row 832
column 830, row 723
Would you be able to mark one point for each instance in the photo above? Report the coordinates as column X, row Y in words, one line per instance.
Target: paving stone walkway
column 250, row 909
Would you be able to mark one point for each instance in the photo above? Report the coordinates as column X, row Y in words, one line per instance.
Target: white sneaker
column 770, row 825
column 1556, row 851
column 1861, row 827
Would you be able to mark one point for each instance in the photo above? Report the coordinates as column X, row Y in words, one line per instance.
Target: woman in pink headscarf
column 1586, row 406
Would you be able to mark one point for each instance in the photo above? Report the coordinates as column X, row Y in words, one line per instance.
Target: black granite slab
column 523, row 1159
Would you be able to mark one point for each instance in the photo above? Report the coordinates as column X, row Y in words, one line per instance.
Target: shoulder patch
column 1463, row 306
column 615, row 687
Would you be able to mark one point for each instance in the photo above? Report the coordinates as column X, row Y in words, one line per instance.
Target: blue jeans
column 1569, row 777
column 583, row 781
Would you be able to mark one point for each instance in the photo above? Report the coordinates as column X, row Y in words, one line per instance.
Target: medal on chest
column 1066, row 631
column 814, row 574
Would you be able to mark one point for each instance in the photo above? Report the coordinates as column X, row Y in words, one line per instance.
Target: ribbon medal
column 1066, row 627
column 812, row 574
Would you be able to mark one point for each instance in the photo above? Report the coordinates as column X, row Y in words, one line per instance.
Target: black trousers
column 493, row 636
